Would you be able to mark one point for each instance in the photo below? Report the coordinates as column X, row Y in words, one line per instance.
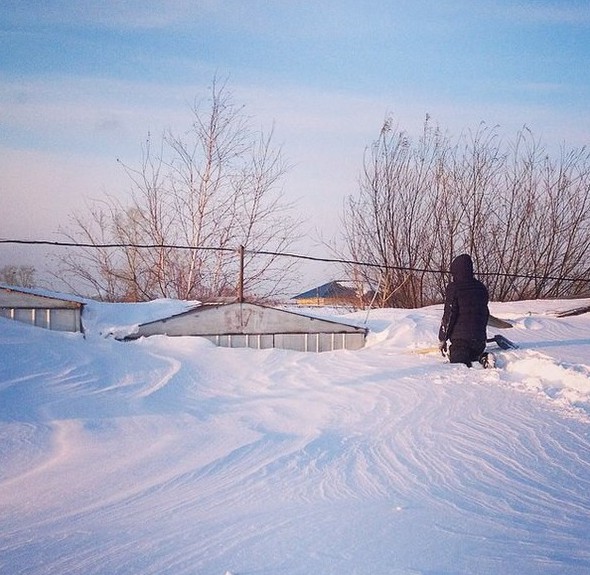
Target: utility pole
column 241, row 276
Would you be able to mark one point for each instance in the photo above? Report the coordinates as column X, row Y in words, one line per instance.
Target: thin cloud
column 562, row 12
column 132, row 14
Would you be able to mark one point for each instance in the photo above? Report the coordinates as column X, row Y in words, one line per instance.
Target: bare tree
column 523, row 217
column 211, row 190
column 389, row 225
column 541, row 224
column 18, row 275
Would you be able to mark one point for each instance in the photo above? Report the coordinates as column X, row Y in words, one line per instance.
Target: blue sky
column 82, row 82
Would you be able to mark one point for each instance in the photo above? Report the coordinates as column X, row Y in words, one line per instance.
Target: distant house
column 331, row 294
column 257, row 326
column 41, row 308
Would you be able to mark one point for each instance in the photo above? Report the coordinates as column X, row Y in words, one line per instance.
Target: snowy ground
column 172, row 456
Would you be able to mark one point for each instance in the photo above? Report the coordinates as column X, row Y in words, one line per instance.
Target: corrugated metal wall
column 315, row 342
column 49, row 318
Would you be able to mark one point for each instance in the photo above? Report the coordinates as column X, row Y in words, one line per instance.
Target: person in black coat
column 465, row 315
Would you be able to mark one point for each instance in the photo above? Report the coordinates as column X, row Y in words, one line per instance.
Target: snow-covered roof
column 21, row 297
column 232, row 324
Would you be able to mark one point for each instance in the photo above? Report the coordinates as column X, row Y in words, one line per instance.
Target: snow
column 173, row 456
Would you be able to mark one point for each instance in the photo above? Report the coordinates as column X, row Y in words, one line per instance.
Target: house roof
column 19, row 297
column 332, row 289
column 241, row 318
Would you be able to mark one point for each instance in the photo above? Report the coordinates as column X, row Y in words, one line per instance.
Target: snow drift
column 173, row 456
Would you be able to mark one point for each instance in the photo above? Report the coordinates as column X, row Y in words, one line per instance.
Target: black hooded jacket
column 466, row 304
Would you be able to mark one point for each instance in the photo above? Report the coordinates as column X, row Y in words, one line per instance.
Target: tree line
column 523, row 216
column 516, row 210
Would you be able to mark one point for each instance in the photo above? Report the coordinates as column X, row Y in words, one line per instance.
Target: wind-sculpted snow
column 169, row 455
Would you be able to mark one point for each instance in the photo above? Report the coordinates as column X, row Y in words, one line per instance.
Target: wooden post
column 241, row 276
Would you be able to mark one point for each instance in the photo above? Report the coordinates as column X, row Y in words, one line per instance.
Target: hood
column 462, row 268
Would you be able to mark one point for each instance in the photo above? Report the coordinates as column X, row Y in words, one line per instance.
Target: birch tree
column 211, row 190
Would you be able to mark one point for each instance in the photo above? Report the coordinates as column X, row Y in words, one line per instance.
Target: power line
column 281, row 254
column 107, row 246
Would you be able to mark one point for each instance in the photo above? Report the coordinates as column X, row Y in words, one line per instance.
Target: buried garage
column 256, row 326
column 41, row 308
